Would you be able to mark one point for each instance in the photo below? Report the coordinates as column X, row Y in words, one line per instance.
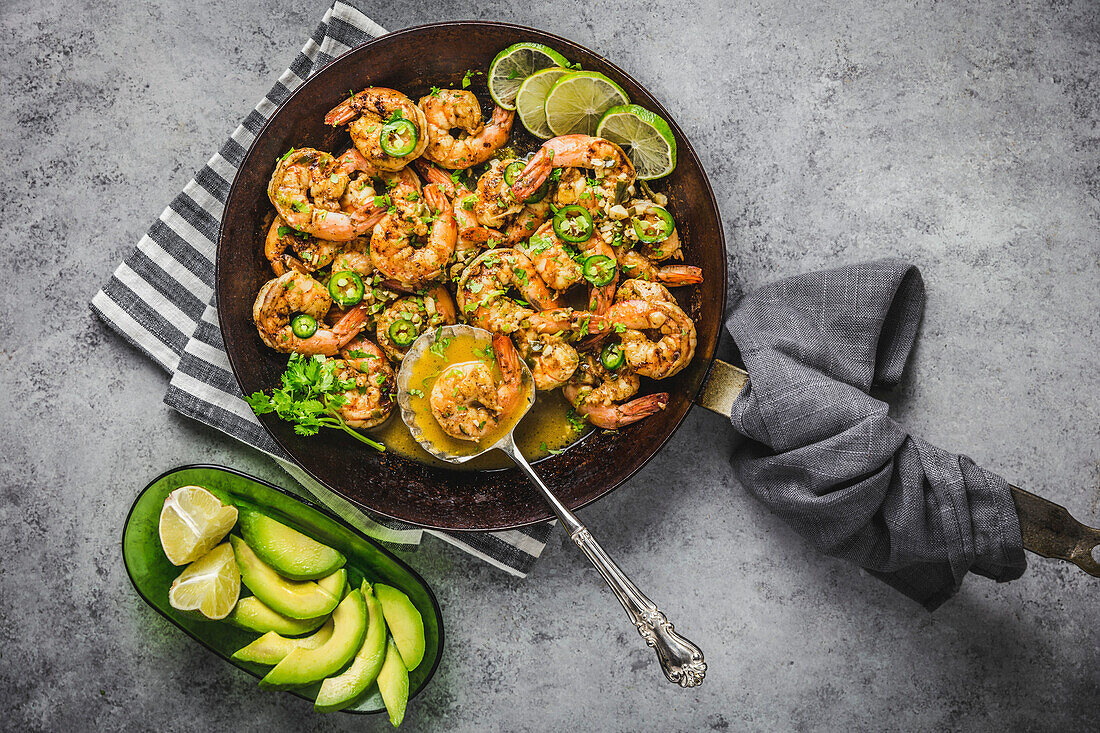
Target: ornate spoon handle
column 681, row 660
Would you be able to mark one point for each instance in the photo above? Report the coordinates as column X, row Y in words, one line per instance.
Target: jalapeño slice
column 573, row 223
column 303, row 325
column 403, row 332
column 651, row 232
column 599, row 270
column 612, row 357
column 346, row 288
column 512, row 171
column 398, row 137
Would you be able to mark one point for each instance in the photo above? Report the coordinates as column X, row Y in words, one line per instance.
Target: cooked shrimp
column 369, row 399
column 675, row 344
column 613, row 170
column 636, row 266
column 468, row 403
column 367, row 112
column 551, row 358
column 472, row 235
column 528, row 221
column 576, row 188
column 646, row 211
column 309, row 253
column 600, row 395
column 495, row 204
column 483, row 290
column 395, row 246
column 552, row 258
column 306, row 189
column 294, row 293
column 456, row 109
column 412, row 315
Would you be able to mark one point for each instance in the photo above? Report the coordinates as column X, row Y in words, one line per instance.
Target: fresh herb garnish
column 439, row 348
column 468, row 77
column 551, row 451
column 310, row 397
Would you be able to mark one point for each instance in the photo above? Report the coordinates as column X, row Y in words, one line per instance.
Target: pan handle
column 721, row 387
column 1051, row 531
column 1048, row 529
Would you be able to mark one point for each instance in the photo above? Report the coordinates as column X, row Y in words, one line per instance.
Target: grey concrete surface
column 963, row 136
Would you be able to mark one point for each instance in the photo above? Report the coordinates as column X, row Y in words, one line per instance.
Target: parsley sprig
column 310, row 397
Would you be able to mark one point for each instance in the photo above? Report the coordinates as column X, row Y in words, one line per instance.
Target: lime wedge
column 192, row 521
column 645, row 137
column 514, row 64
column 210, row 585
column 578, row 100
column 531, row 100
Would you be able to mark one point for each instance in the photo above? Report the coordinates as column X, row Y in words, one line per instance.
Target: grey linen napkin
column 827, row 458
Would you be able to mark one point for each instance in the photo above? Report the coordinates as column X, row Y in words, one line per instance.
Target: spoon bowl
column 415, row 419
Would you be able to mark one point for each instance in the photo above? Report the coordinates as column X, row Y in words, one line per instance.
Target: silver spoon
column 681, row 660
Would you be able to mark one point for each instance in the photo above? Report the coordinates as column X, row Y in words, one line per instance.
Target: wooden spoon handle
column 1048, row 529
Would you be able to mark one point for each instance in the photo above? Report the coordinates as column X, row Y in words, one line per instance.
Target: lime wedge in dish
column 210, row 585
column 192, row 522
column 531, row 100
column 578, row 100
column 645, row 137
column 514, row 64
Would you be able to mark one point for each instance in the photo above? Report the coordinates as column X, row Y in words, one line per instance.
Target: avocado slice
column 393, row 683
column 303, row 666
column 339, row 692
column 291, row 553
column 294, row 598
column 272, row 648
column 251, row 613
column 406, row 624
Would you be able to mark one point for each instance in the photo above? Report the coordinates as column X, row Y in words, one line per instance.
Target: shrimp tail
column 510, row 370
column 534, row 174
column 680, row 275
column 612, row 417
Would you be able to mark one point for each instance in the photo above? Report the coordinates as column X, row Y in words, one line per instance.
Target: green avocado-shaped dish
column 152, row 573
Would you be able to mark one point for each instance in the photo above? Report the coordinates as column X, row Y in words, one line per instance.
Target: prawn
column 286, row 248
column 406, row 318
column 456, row 109
column 306, row 189
column 472, row 235
column 369, row 399
column 466, row 400
column 613, row 170
column 294, row 293
column 483, row 290
column 395, row 251
column 659, row 315
column 552, row 359
column 600, row 395
column 369, row 114
column 635, row 265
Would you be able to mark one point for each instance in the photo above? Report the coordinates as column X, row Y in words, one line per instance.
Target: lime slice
column 514, row 64
column 531, row 100
column 578, row 100
column 210, row 585
column 645, row 137
column 191, row 522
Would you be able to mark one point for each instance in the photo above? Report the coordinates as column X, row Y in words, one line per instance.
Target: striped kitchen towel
column 161, row 299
